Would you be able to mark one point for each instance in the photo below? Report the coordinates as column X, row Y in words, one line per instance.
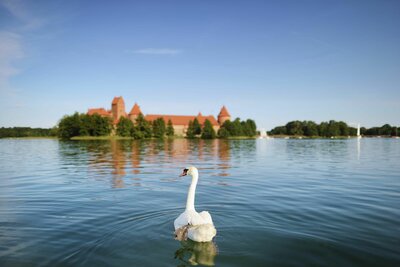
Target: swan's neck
column 192, row 192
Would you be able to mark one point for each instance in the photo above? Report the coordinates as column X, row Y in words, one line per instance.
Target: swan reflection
column 195, row 253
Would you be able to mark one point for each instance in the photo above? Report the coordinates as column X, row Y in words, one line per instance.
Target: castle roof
column 99, row 111
column 224, row 112
column 116, row 100
column 182, row 120
column 135, row 110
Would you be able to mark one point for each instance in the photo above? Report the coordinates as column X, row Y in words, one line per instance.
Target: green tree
column 196, row 127
column 124, row 127
column 278, row 130
column 333, row 128
column 353, row 131
column 26, row 131
column 190, row 130
column 323, row 129
column 236, row 128
column 386, row 129
column 142, row 128
column 310, row 128
column 294, row 128
column 251, row 127
column 223, row 132
column 69, row 126
column 372, row 131
column 54, row 131
column 170, row 129
column 227, row 126
column 86, row 125
column 343, row 128
column 248, row 128
column 208, row 131
column 159, row 128
column 94, row 125
column 102, row 126
column 394, row 131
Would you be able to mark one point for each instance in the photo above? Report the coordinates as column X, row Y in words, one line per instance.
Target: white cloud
column 156, row 51
column 21, row 13
column 11, row 40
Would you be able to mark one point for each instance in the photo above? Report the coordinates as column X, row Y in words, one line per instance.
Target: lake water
column 274, row 202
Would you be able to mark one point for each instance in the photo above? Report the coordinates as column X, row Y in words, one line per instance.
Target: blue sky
column 273, row 61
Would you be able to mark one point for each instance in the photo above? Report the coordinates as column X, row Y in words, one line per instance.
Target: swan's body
column 196, row 226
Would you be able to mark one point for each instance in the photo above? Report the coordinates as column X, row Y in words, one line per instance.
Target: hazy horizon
column 273, row 62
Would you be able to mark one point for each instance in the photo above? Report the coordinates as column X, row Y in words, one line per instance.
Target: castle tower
column 223, row 115
column 118, row 108
column 135, row 111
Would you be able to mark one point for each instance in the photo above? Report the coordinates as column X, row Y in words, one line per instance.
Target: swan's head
column 189, row 171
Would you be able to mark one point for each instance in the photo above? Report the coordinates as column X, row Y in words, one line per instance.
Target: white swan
column 198, row 227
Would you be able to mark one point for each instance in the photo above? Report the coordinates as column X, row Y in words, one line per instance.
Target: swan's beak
column 184, row 172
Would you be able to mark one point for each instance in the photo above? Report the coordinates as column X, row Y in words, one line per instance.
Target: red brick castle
column 179, row 122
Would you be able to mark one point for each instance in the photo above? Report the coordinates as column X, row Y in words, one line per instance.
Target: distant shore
column 323, row 137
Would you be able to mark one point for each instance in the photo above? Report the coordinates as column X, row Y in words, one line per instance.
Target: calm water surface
column 274, row 202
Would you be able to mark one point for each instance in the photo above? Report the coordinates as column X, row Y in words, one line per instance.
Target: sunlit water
column 274, row 202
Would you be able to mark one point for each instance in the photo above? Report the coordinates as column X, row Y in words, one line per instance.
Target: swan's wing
column 202, row 233
column 205, row 215
column 182, row 220
column 192, row 218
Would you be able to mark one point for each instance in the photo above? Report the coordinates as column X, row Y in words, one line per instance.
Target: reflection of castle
column 180, row 123
column 129, row 157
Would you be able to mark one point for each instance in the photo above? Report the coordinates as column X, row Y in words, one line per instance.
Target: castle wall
column 180, row 130
column 118, row 109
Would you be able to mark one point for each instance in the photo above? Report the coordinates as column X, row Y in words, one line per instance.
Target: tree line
column 238, row 128
column 331, row 128
column 143, row 128
column 84, row 125
column 27, row 132
column 96, row 125
column 384, row 130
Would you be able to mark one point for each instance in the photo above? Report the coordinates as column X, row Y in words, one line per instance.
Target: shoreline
column 299, row 137
column 323, row 137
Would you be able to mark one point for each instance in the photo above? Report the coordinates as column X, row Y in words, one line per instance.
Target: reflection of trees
column 118, row 162
column 136, row 153
column 194, row 253
column 104, row 156
column 224, row 156
column 122, row 158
